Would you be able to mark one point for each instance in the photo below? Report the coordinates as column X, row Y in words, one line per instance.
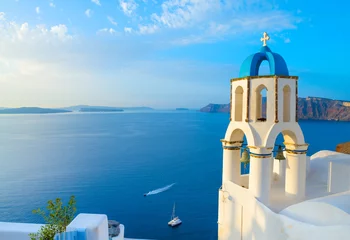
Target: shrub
column 57, row 219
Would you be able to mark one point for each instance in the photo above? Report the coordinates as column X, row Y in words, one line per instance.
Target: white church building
column 288, row 196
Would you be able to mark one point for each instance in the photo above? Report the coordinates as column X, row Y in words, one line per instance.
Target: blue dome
column 251, row 64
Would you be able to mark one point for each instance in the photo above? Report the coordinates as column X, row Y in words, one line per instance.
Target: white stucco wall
column 91, row 226
column 317, row 213
column 244, row 180
column 17, row 231
column 243, row 217
column 339, row 176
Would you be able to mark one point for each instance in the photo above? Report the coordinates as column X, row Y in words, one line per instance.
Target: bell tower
column 262, row 107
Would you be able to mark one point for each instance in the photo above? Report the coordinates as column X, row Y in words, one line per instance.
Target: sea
column 109, row 160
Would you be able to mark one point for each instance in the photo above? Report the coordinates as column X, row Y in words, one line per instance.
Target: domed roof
column 251, row 64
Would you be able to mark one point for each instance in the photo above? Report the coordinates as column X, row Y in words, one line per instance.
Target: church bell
column 245, row 156
column 279, row 154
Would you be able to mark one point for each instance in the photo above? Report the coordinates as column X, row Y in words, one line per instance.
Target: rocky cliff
column 310, row 108
column 343, row 148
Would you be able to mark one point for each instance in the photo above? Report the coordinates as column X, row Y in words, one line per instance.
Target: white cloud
column 43, row 63
column 52, row 4
column 287, row 40
column 61, row 31
column 15, row 32
column 180, row 14
column 194, row 21
column 37, row 10
column 111, row 20
column 107, row 30
column 127, row 30
column 2, row 16
column 128, row 7
column 88, row 12
column 97, row 2
column 148, row 29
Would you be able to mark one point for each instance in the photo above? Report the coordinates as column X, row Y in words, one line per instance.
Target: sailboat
column 175, row 221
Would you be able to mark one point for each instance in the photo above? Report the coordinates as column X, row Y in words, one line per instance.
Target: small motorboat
column 145, row 194
column 175, row 221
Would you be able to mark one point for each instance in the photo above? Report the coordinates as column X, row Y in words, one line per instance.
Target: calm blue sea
column 109, row 160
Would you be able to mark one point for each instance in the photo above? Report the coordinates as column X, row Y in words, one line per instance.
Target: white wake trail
column 159, row 190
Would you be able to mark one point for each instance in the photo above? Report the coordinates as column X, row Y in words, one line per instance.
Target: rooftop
column 317, row 181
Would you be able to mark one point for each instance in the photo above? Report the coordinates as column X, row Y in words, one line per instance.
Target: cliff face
column 343, row 148
column 310, row 108
column 323, row 109
column 215, row 108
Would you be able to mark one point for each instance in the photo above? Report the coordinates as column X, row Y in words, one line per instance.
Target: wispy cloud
column 97, row 2
column 182, row 14
column 127, row 29
column 42, row 63
column 106, row 30
column 14, row 32
column 52, row 4
column 37, row 10
column 193, row 21
column 111, row 20
column 128, row 7
column 88, row 12
column 148, row 29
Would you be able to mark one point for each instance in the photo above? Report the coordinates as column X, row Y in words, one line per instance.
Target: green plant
column 57, row 219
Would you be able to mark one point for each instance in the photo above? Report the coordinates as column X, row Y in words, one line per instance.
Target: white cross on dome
column 265, row 38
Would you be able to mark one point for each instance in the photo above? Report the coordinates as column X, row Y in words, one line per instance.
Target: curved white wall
column 317, row 213
column 244, row 217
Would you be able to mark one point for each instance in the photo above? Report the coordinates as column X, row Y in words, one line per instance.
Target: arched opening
column 239, row 104
column 261, row 106
column 279, row 160
column 264, row 68
column 286, row 103
column 289, row 170
column 240, row 158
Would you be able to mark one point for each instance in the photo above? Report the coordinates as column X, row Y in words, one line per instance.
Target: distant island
column 91, row 109
column 105, row 108
column 182, row 109
column 31, row 110
column 310, row 108
column 78, row 108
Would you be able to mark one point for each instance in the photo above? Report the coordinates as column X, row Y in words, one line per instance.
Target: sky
column 163, row 54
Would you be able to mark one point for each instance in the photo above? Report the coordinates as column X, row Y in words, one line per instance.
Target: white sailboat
column 175, row 221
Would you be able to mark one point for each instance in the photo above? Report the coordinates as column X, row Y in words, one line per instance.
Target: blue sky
column 163, row 54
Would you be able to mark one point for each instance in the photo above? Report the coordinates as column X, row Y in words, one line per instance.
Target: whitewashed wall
column 339, row 176
column 91, row 226
column 17, row 231
column 243, row 217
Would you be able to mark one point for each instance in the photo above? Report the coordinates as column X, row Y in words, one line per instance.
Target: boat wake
column 159, row 190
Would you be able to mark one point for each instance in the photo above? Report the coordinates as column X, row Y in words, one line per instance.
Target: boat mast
column 173, row 216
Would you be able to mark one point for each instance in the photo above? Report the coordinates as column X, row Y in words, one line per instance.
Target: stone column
column 260, row 173
column 231, row 167
column 296, row 170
